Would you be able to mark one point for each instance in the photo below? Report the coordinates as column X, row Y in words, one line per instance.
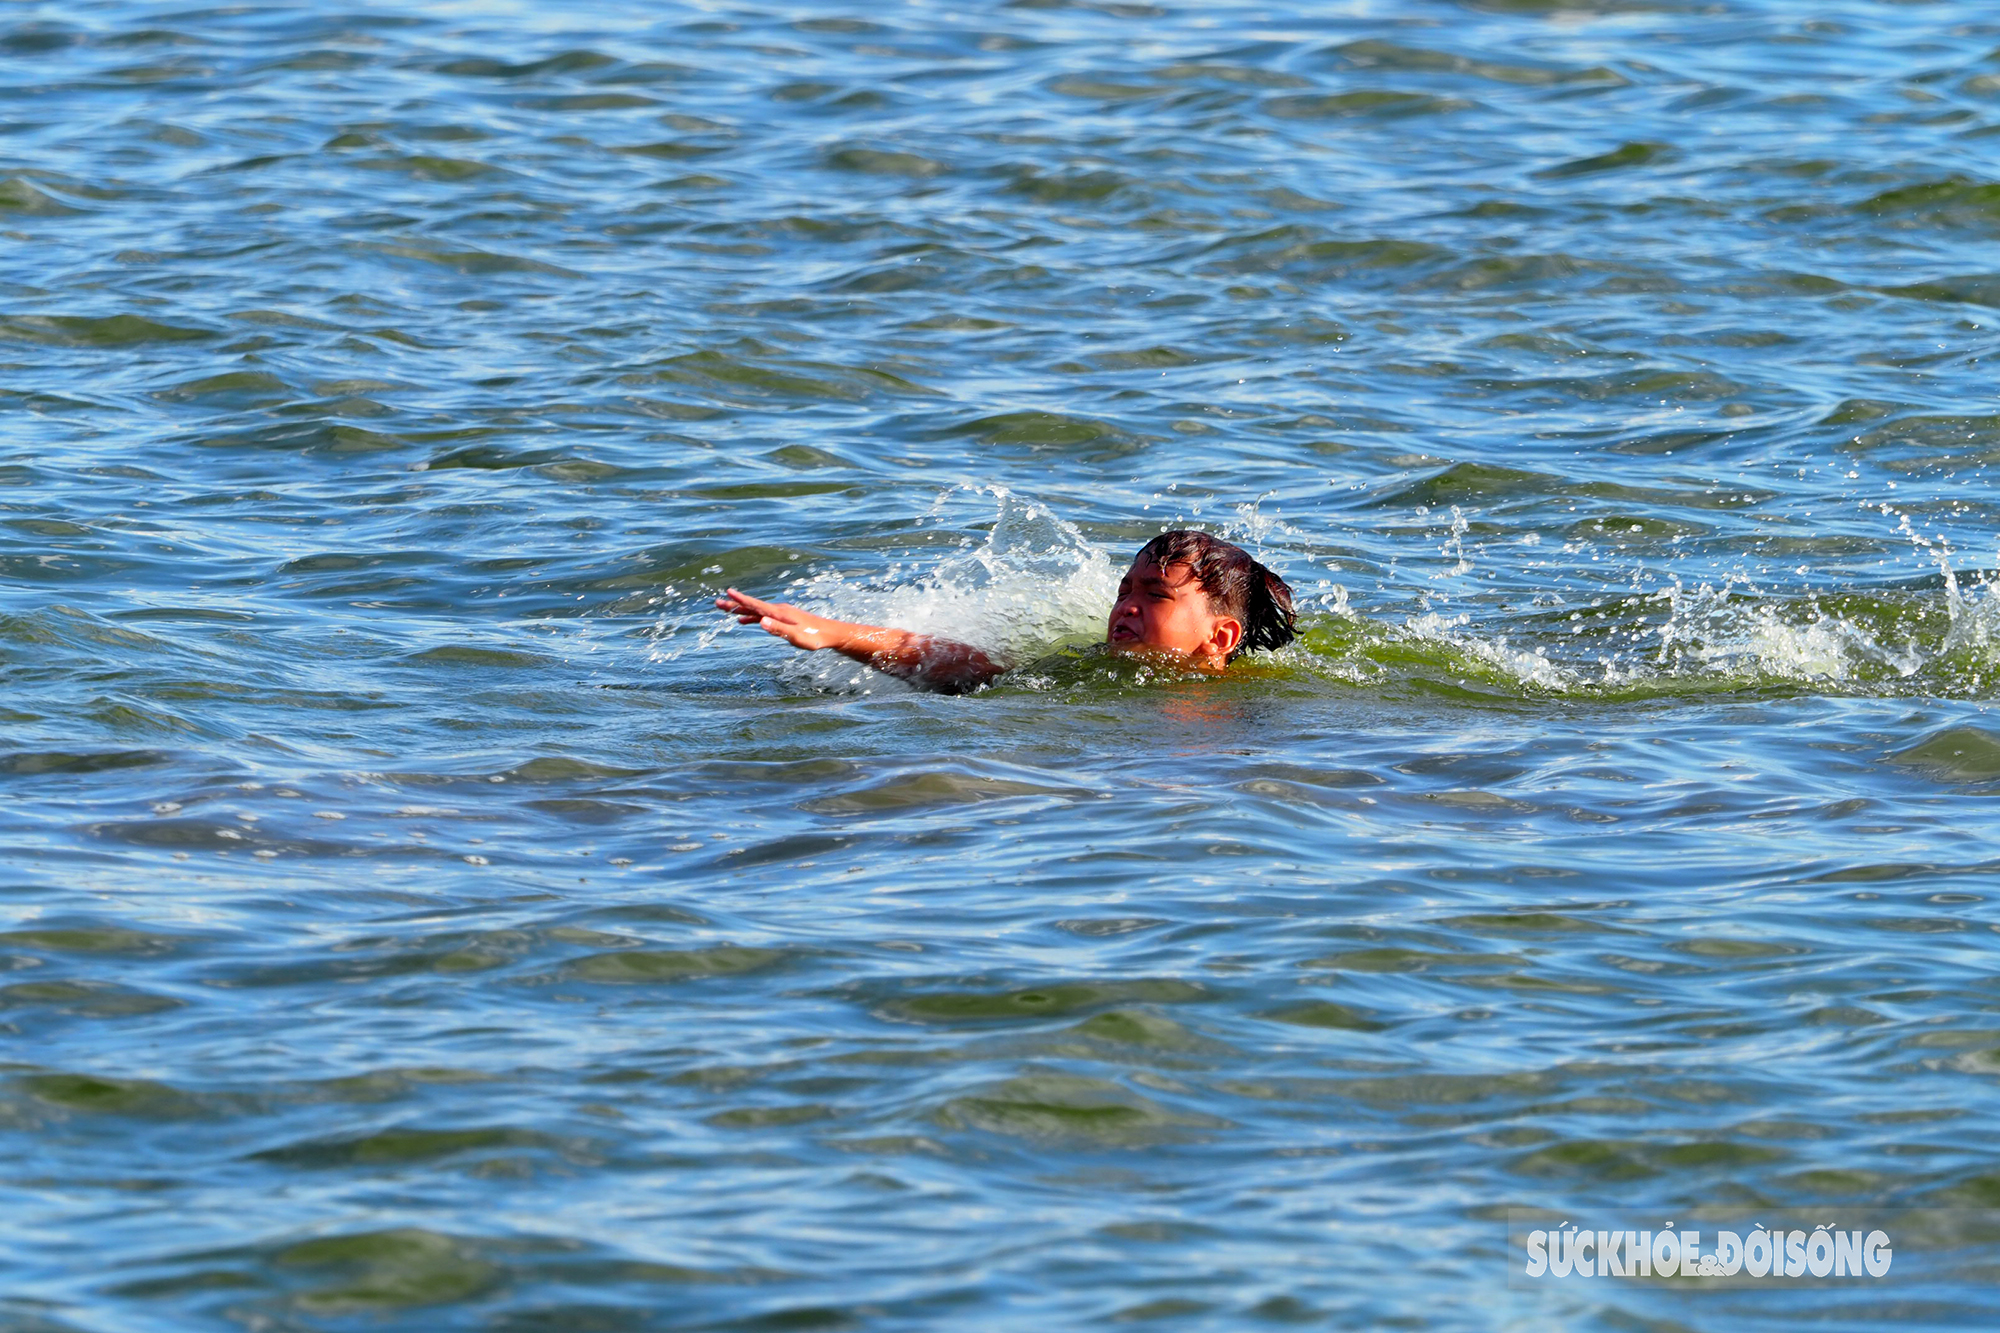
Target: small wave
column 1033, row 585
column 1036, row 592
column 1689, row 641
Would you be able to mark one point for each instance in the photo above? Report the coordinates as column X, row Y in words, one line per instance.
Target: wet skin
column 1165, row 612
column 1159, row 613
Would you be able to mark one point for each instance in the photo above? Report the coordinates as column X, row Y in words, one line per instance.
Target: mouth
column 1122, row 634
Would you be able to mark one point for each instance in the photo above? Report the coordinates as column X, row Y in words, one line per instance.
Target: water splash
column 1454, row 546
column 1682, row 639
column 1034, row 583
column 1772, row 638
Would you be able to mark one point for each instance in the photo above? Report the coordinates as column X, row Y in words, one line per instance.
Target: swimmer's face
column 1165, row 611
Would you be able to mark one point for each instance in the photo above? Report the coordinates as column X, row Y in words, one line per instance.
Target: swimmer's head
column 1198, row 597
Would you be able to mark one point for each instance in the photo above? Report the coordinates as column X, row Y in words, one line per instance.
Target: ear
column 1224, row 635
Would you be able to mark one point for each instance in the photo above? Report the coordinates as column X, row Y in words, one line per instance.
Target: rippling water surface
column 422, row 913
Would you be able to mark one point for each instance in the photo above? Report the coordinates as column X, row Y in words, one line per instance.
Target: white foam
column 1034, row 582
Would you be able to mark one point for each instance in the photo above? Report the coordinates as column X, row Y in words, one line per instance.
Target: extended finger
column 747, row 602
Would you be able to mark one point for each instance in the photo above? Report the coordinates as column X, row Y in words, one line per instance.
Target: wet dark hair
column 1236, row 585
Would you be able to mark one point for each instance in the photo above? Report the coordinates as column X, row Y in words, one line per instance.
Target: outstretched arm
column 935, row 664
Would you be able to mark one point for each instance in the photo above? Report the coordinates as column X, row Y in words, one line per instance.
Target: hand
column 801, row 629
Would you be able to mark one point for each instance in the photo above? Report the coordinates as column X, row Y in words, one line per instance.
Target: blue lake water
column 422, row 911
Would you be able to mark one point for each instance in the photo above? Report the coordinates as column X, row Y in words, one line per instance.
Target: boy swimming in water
column 1189, row 599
